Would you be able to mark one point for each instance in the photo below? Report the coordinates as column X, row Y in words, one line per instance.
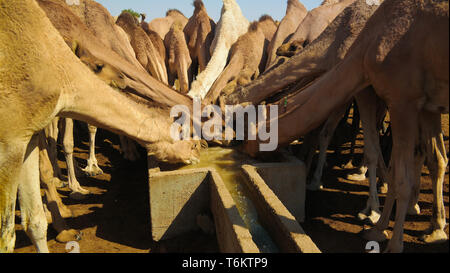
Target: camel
column 231, row 26
column 317, row 58
column 179, row 60
column 162, row 25
column 154, row 37
column 313, row 25
column 146, row 53
column 246, row 56
column 199, row 33
column 269, row 28
column 403, row 53
column 37, row 87
column 295, row 13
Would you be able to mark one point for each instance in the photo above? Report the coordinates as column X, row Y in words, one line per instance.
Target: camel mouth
column 192, row 161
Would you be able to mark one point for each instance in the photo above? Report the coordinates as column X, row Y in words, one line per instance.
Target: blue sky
column 252, row 9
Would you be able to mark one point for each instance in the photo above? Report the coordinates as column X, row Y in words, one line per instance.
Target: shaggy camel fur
column 179, row 60
column 246, row 56
column 315, row 22
column 317, row 58
column 231, row 26
column 146, row 52
column 36, row 87
column 162, row 25
column 403, row 52
column 199, row 33
column 295, row 13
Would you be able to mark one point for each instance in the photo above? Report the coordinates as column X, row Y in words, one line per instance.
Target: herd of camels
column 60, row 62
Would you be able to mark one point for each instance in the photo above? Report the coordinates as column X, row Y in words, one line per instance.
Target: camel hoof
column 59, row 184
column 356, row 177
column 76, row 195
column 93, row 171
column 70, row 235
column 373, row 234
column 415, row 210
column 436, row 237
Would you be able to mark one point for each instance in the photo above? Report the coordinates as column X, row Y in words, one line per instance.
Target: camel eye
column 98, row 68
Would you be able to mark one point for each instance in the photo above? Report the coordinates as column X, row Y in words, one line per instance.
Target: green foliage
column 132, row 12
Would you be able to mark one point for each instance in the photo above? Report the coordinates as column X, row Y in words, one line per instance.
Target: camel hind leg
column 437, row 163
column 34, row 221
column 11, row 159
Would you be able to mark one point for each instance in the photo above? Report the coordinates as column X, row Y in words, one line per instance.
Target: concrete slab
column 178, row 197
column 280, row 223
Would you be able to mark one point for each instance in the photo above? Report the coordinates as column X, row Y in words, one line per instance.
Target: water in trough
column 227, row 163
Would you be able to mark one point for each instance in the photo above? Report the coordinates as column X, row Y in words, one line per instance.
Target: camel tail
column 232, row 70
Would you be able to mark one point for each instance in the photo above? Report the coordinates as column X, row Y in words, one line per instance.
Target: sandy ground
column 115, row 217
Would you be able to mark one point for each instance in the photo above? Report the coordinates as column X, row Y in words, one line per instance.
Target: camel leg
column 324, row 139
column 11, row 159
column 51, row 133
column 405, row 135
column 92, row 168
column 58, row 210
column 372, row 150
column 77, row 191
column 437, row 163
column 34, row 221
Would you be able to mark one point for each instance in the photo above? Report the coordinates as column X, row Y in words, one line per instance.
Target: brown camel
column 317, row 58
column 403, row 52
column 179, row 60
column 146, row 52
column 245, row 59
column 154, row 37
column 295, row 13
column 269, row 28
column 162, row 25
column 313, row 25
column 199, row 33
column 41, row 79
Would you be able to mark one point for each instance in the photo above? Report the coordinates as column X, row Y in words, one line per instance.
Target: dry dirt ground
column 115, row 217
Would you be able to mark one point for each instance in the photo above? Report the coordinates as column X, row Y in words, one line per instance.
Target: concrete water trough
column 276, row 190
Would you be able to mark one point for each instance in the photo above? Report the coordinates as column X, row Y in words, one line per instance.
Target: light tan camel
column 162, row 25
column 154, row 37
column 295, row 13
column 231, row 26
column 246, row 56
column 199, row 33
column 179, row 60
column 102, row 24
column 146, row 53
column 403, row 52
column 41, row 78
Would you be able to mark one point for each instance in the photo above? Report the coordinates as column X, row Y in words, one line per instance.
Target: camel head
column 127, row 21
column 184, row 151
column 290, row 49
column 108, row 73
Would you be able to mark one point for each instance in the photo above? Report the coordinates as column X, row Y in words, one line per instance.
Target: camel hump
column 174, row 11
column 253, row 27
column 266, row 17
